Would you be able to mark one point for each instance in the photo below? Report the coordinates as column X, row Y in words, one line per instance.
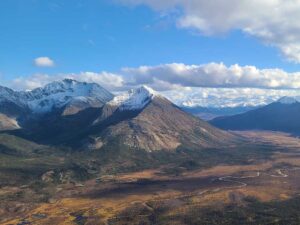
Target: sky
column 196, row 52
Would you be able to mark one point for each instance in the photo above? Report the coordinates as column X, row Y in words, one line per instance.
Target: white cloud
column 108, row 80
column 29, row 83
column 177, row 76
column 274, row 22
column 168, row 76
column 227, row 97
column 44, row 62
column 212, row 84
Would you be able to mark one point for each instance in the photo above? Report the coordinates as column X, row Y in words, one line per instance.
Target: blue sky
column 101, row 35
column 96, row 35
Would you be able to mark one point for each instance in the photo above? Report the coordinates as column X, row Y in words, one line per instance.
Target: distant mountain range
column 282, row 115
column 86, row 116
column 209, row 113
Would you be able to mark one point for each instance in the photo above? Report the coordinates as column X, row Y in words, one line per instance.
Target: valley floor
column 263, row 191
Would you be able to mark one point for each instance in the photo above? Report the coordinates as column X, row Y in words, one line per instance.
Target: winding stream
column 279, row 174
column 240, row 184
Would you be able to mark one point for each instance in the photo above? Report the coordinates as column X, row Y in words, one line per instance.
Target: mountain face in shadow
column 278, row 116
column 86, row 116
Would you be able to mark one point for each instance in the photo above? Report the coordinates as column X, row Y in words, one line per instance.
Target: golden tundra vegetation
column 248, row 190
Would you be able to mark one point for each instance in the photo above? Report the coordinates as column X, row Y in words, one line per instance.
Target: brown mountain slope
column 7, row 123
column 9, row 114
column 140, row 119
column 159, row 125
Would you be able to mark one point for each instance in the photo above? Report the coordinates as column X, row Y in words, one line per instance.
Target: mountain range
column 282, row 115
column 209, row 113
column 68, row 96
column 86, row 116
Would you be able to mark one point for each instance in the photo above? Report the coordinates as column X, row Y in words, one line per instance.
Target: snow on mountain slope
column 56, row 95
column 9, row 95
column 134, row 99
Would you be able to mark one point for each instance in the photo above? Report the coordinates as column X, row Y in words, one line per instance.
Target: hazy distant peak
column 289, row 100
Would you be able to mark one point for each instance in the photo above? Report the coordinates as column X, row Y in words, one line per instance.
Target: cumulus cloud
column 168, row 76
column 210, row 85
column 227, row 97
column 110, row 81
column 176, row 76
column 44, row 62
column 274, row 22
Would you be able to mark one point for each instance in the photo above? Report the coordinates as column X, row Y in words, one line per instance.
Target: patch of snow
column 134, row 99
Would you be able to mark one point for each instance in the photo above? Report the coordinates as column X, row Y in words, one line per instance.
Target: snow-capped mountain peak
column 69, row 87
column 289, row 100
column 60, row 93
column 134, row 99
column 56, row 95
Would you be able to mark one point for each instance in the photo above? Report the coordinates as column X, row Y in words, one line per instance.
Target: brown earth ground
column 113, row 200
